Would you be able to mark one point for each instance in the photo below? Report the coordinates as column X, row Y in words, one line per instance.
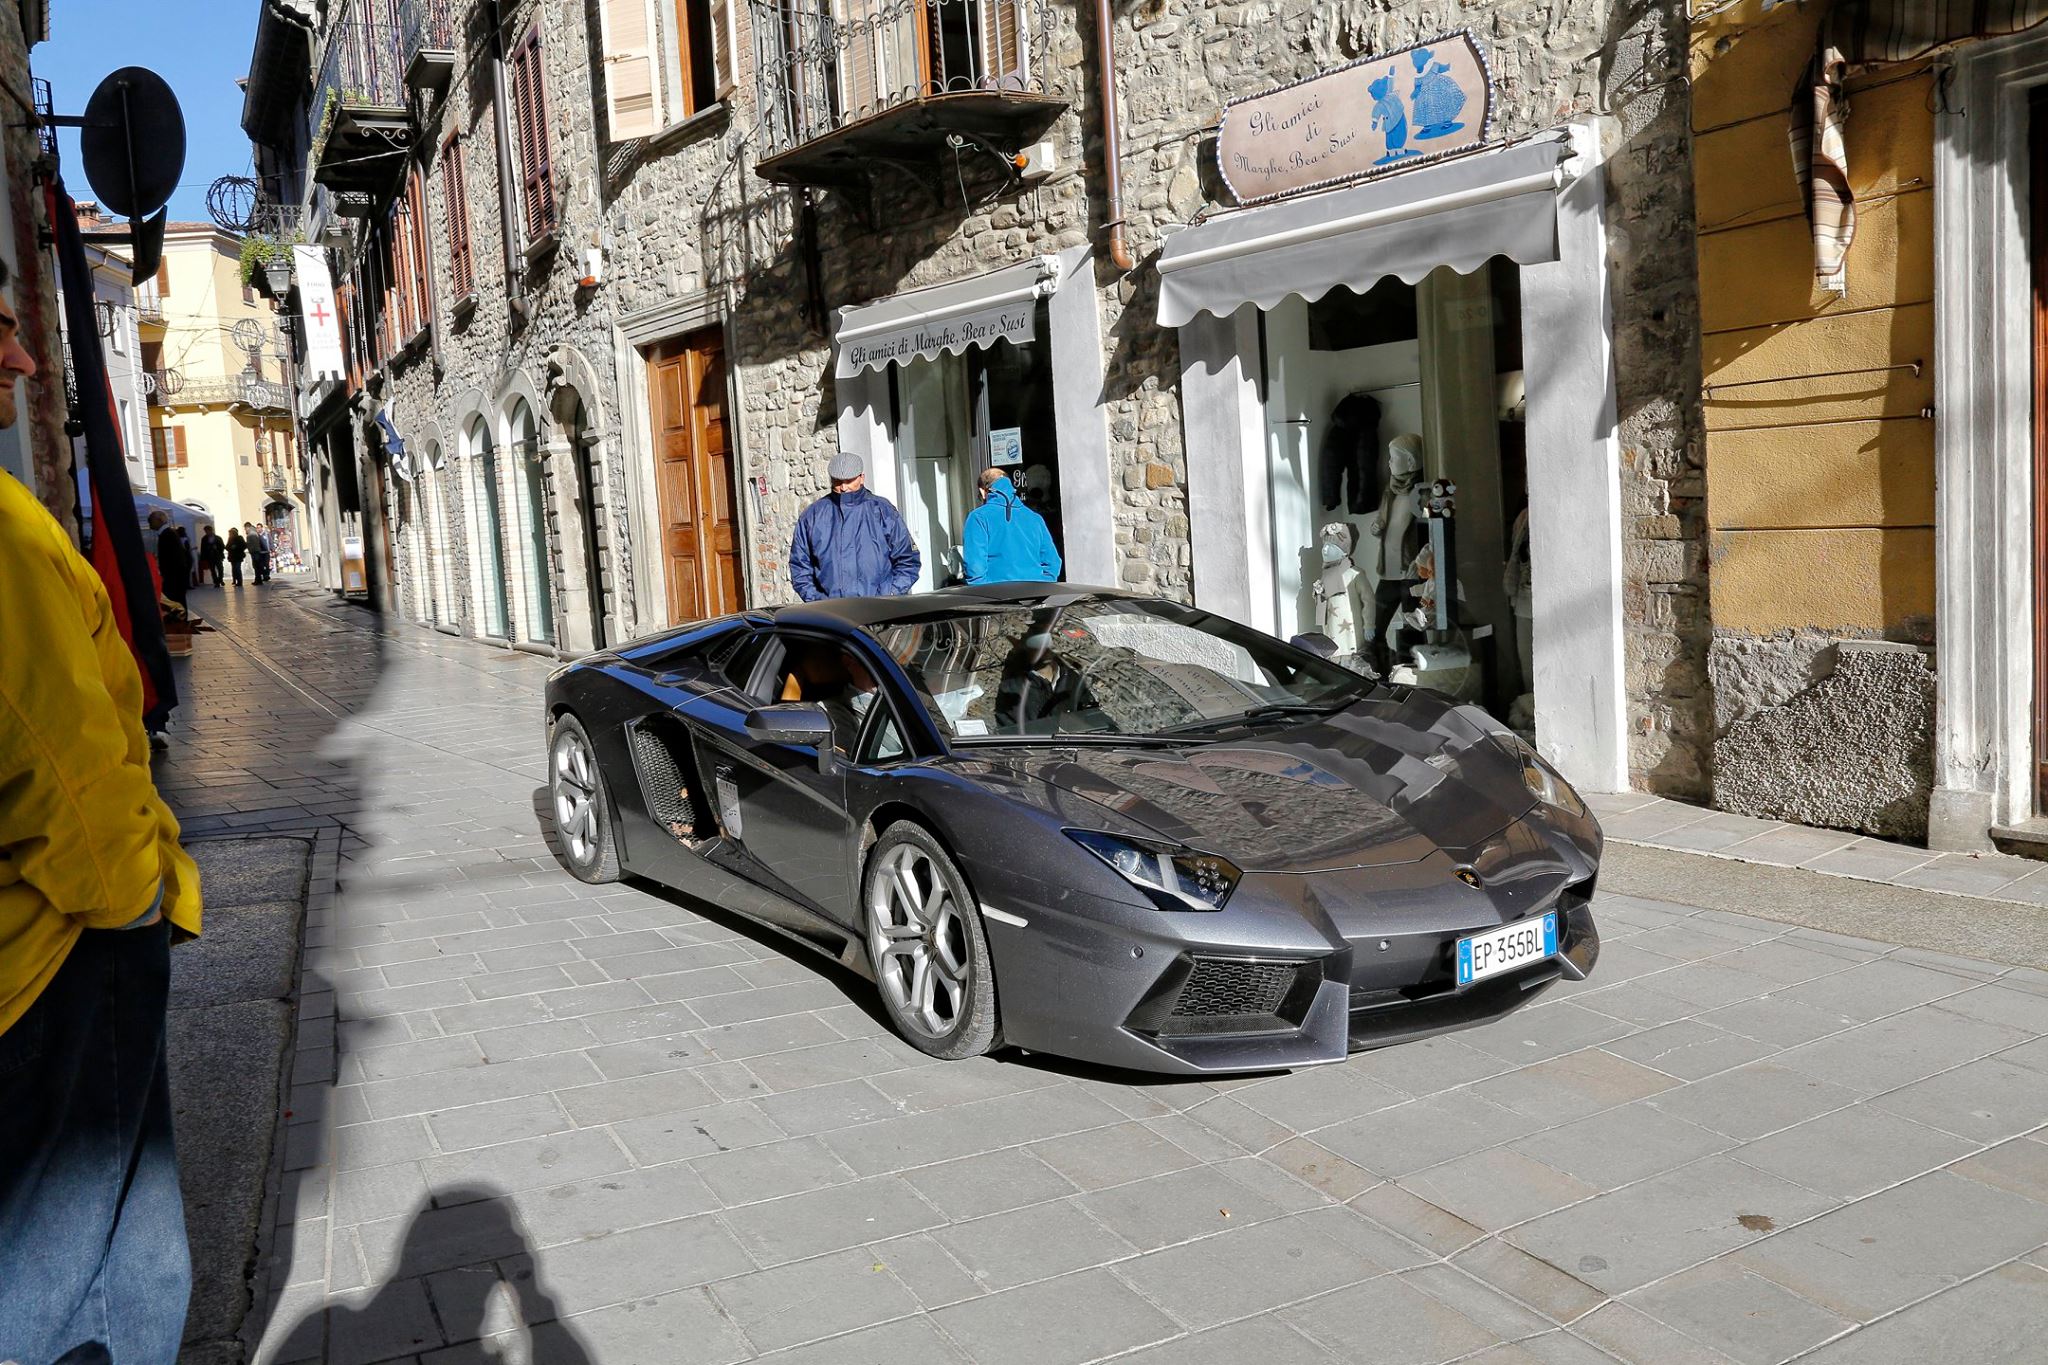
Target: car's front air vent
column 1211, row 996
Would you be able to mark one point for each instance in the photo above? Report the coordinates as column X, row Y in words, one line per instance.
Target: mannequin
column 1336, row 592
column 1517, row 583
column 1393, row 526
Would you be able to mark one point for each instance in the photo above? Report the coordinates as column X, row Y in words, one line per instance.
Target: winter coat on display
column 1351, row 450
column 1007, row 542
column 852, row 545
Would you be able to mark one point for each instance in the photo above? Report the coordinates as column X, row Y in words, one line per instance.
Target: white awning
column 948, row 318
column 1460, row 214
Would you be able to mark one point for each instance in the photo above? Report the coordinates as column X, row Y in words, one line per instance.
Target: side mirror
column 799, row 723
column 1316, row 643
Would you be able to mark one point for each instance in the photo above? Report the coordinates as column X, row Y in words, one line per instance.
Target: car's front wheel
column 927, row 947
column 582, row 806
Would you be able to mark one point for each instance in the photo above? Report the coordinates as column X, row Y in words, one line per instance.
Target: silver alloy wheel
column 918, row 942
column 575, row 781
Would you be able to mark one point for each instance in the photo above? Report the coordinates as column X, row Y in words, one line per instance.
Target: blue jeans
column 92, row 1227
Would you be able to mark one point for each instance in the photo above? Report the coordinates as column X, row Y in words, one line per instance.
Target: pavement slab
column 1795, row 1114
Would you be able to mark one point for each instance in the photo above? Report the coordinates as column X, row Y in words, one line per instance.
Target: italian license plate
column 1504, row 949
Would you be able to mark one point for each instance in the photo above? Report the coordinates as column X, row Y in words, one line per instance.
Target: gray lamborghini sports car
column 1080, row 822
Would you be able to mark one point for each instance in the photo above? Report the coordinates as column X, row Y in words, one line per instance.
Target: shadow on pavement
column 467, row 1246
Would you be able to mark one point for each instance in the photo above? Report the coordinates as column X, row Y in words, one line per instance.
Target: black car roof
column 866, row 613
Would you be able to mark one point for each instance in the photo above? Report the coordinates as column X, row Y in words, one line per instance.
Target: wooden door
column 2038, row 193
column 694, row 477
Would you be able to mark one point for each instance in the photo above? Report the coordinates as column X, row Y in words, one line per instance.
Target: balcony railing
column 844, row 81
column 149, row 304
column 261, row 394
column 365, row 122
column 432, row 42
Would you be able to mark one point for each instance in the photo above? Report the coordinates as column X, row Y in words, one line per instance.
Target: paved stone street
column 645, row 1133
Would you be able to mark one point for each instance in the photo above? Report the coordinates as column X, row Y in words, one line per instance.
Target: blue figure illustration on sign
column 1436, row 98
column 1389, row 115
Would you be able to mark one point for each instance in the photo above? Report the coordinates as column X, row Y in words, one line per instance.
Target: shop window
column 956, row 415
column 1370, row 399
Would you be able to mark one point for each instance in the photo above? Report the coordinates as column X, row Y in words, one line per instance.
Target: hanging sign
column 1378, row 114
column 324, row 359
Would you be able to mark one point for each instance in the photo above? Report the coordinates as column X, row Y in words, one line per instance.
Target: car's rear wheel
column 927, row 947
column 582, row 806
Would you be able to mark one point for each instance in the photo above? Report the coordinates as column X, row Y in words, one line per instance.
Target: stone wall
column 683, row 214
column 40, row 402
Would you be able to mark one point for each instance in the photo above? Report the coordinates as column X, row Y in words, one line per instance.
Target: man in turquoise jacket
column 1005, row 541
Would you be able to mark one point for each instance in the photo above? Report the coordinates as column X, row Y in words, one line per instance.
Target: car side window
column 737, row 660
column 884, row 742
column 829, row 675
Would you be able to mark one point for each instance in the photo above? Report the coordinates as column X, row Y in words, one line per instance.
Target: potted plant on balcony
column 267, row 262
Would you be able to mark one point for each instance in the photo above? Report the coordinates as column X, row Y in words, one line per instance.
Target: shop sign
column 1378, row 114
column 922, row 340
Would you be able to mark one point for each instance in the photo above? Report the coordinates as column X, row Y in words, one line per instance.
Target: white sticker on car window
column 969, row 726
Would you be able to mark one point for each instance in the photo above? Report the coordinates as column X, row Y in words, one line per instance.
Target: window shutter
column 455, row 190
column 163, row 278
column 544, row 170
column 626, row 29
column 177, row 435
column 724, row 47
column 1002, row 45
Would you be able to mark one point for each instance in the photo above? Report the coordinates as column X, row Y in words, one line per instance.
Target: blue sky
column 200, row 46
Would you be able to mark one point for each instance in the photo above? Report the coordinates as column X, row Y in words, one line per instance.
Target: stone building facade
column 672, row 255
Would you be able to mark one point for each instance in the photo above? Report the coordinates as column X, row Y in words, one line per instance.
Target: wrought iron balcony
column 149, row 304
column 365, row 122
column 844, row 83
column 433, row 42
column 242, row 390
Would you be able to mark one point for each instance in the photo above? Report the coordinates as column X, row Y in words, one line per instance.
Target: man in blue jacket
column 1006, row 542
column 851, row 543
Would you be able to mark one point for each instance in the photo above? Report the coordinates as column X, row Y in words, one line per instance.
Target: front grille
column 1219, row 987
column 1210, row 996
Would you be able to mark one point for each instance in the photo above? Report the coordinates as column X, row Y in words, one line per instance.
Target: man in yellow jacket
column 93, row 882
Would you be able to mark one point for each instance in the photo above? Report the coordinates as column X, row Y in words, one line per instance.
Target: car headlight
column 1175, row 878
column 1542, row 780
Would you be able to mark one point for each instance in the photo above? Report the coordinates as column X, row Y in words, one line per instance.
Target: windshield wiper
column 1274, row 710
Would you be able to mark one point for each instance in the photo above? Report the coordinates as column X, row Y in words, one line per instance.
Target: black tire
column 580, row 804
column 909, row 953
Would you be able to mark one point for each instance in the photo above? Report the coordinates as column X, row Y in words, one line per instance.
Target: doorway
column 490, row 533
column 694, row 485
column 957, row 415
column 589, row 494
column 2037, row 160
column 537, row 542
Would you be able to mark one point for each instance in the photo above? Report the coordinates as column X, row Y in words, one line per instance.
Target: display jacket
column 1351, row 452
column 852, row 545
column 1007, row 542
column 85, row 841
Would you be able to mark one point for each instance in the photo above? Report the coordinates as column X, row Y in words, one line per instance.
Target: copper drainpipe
column 1119, row 252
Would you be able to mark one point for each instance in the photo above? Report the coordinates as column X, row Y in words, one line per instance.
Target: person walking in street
column 1005, row 541
column 173, row 557
column 259, row 552
column 237, row 550
column 93, row 882
column 851, row 543
column 211, row 550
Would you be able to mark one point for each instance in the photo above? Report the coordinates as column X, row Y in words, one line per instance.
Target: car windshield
column 1105, row 666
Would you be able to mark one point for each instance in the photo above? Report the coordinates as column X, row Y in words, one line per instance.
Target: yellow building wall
column 1820, row 438
column 203, row 302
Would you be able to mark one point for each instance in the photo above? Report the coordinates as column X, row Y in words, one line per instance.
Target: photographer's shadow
column 487, row 1291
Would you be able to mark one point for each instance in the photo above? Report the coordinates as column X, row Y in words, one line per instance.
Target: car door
column 788, row 801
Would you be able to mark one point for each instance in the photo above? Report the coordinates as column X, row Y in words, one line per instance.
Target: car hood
column 1391, row 779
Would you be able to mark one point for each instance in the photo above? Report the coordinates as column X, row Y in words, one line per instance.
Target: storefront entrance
column 1371, row 399
column 956, row 415
column 1322, row 334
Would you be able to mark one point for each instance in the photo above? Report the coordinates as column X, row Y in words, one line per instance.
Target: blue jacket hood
column 1007, row 542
